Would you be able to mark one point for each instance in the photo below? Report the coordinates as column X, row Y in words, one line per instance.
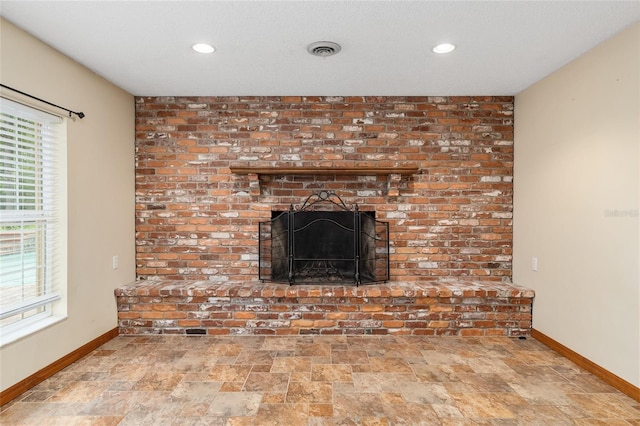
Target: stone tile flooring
column 322, row 380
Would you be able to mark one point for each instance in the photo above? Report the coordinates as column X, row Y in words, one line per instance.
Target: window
column 32, row 215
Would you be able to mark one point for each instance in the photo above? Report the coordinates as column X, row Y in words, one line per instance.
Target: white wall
column 576, row 186
column 100, row 197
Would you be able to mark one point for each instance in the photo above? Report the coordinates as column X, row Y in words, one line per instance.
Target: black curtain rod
column 79, row 114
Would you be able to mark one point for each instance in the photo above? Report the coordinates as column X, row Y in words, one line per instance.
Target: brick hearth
column 462, row 308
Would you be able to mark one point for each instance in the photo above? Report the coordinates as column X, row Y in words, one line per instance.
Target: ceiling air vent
column 323, row 48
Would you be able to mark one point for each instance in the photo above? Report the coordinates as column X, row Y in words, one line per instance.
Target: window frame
column 45, row 215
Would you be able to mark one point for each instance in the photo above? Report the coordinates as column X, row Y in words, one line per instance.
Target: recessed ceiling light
column 203, row 48
column 444, row 48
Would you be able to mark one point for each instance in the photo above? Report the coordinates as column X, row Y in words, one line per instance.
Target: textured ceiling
column 144, row 46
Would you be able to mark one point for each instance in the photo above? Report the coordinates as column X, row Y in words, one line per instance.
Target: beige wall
column 576, row 184
column 100, row 197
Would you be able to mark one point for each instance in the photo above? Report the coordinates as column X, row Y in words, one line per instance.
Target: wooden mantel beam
column 326, row 170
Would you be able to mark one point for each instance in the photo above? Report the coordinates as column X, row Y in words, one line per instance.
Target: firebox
column 324, row 241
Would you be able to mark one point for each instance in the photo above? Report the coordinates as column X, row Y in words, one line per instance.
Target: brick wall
column 195, row 220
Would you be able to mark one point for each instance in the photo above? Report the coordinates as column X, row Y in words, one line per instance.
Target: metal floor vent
column 323, row 48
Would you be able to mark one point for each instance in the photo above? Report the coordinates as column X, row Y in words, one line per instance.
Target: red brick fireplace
column 209, row 169
column 198, row 220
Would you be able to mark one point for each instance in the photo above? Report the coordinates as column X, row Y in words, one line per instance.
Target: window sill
column 27, row 330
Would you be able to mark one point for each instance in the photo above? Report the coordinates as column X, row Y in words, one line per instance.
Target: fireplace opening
column 324, row 241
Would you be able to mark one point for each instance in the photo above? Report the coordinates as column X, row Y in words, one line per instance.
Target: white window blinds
column 31, row 143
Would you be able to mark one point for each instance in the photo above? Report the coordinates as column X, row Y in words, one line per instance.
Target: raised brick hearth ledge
column 462, row 308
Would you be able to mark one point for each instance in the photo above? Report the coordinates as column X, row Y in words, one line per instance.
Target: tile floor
column 322, row 380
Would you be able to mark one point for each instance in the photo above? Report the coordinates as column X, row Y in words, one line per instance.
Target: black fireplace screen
column 312, row 244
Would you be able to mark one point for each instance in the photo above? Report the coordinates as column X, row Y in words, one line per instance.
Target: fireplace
column 324, row 241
